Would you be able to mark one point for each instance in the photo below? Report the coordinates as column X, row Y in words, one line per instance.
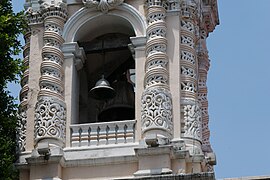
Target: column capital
column 139, row 41
column 72, row 50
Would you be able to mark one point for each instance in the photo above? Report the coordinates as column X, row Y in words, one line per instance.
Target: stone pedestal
column 154, row 161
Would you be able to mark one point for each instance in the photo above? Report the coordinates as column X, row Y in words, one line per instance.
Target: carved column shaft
column 50, row 115
column 202, row 93
column 190, row 106
column 22, row 116
column 156, row 99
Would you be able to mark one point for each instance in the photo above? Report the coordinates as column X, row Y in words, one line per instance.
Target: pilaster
column 22, row 117
column 138, row 45
column 74, row 60
column 29, row 82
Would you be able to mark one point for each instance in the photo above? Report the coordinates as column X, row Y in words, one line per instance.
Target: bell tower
column 116, row 89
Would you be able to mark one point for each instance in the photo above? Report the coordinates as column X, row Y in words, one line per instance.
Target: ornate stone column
column 50, row 112
column 190, row 107
column 22, row 116
column 204, row 65
column 27, row 93
column 156, row 98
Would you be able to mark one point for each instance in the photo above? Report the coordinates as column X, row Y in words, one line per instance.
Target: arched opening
column 105, row 40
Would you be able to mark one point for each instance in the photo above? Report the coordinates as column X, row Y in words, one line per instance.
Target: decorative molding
column 22, row 113
column 188, row 9
column 156, row 99
column 33, row 17
column 172, row 5
column 36, row 16
column 203, row 68
column 87, row 15
column 50, row 119
column 77, row 53
column 102, row 5
column 192, row 119
column 97, row 134
column 157, row 111
column 21, row 130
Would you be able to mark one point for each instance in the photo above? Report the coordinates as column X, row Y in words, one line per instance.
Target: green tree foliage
column 11, row 26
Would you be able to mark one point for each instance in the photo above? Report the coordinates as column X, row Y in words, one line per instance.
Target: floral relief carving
column 187, row 41
column 155, row 17
column 155, row 32
column 188, row 26
column 156, row 79
column 157, row 110
column 21, row 130
column 193, row 121
column 51, row 87
column 52, row 58
column 52, row 42
column 172, row 5
column 188, row 72
column 51, row 72
column 187, row 56
column 157, row 63
column 50, row 118
column 103, row 5
column 188, row 86
column 53, row 28
column 156, row 48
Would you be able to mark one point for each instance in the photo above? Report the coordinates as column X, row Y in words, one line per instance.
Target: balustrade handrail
column 103, row 123
column 95, row 134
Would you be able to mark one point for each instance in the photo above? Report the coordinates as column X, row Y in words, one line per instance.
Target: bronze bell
column 102, row 90
column 122, row 106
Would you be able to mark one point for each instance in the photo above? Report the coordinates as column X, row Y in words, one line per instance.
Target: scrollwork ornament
column 21, row 130
column 193, row 121
column 157, row 110
column 50, row 118
column 103, row 5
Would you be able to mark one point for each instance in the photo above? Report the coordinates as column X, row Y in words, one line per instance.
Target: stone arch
column 86, row 28
column 85, row 16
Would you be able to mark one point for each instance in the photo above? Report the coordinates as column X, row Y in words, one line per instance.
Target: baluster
column 116, row 134
column 107, row 135
column 89, row 136
column 80, row 136
column 125, row 133
column 98, row 135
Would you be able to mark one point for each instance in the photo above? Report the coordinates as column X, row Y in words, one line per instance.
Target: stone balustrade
column 106, row 133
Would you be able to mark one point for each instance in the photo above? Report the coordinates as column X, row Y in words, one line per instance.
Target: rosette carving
column 50, row 118
column 103, row 5
column 157, row 110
